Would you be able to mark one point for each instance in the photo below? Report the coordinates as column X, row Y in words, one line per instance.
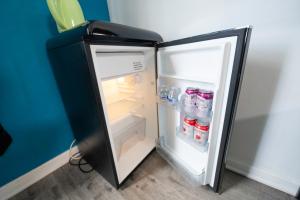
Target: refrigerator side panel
column 78, row 89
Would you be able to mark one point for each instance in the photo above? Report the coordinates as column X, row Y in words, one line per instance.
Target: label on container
column 201, row 132
column 163, row 93
column 188, row 126
column 173, row 95
column 204, row 103
column 190, row 96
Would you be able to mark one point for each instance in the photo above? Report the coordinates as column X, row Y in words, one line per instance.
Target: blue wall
column 31, row 109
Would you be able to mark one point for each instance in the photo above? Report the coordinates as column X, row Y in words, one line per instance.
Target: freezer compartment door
column 198, row 84
column 110, row 62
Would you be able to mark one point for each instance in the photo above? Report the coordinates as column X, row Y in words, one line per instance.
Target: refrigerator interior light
column 121, row 80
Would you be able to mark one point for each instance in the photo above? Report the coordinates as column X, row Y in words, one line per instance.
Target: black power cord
column 80, row 163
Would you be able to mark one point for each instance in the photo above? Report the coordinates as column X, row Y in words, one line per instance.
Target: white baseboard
column 263, row 176
column 26, row 180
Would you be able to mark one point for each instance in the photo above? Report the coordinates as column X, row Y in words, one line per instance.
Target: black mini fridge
column 127, row 93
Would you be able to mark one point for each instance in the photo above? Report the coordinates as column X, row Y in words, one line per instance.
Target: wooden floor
column 154, row 179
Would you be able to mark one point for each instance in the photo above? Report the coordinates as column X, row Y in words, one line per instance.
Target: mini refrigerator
column 125, row 92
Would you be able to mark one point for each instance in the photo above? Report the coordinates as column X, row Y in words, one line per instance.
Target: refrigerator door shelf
column 162, row 79
column 166, row 103
column 190, row 141
column 181, row 84
column 205, row 84
column 194, row 175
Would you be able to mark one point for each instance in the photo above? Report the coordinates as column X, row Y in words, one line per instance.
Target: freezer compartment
column 132, row 61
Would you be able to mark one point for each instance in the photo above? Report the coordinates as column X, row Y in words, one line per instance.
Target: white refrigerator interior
column 206, row 65
column 127, row 84
column 137, row 120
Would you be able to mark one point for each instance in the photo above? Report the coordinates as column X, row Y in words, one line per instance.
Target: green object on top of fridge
column 66, row 13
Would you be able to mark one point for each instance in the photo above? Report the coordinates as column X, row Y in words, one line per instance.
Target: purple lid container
column 191, row 90
column 206, row 94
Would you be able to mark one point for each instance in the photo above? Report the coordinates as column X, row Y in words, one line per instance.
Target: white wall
column 265, row 142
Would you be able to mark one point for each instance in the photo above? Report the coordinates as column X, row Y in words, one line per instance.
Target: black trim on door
column 233, row 96
column 298, row 194
column 108, row 170
column 243, row 37
column 204, row 37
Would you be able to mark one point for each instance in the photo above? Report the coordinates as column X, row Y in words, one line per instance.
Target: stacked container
column 197, row 108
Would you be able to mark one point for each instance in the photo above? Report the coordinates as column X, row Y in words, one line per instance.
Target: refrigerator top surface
column 99, row 32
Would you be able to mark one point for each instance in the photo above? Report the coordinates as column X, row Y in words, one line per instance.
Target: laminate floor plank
column 155, row 179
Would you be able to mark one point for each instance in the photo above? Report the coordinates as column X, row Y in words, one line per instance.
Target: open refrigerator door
column 197, row 82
